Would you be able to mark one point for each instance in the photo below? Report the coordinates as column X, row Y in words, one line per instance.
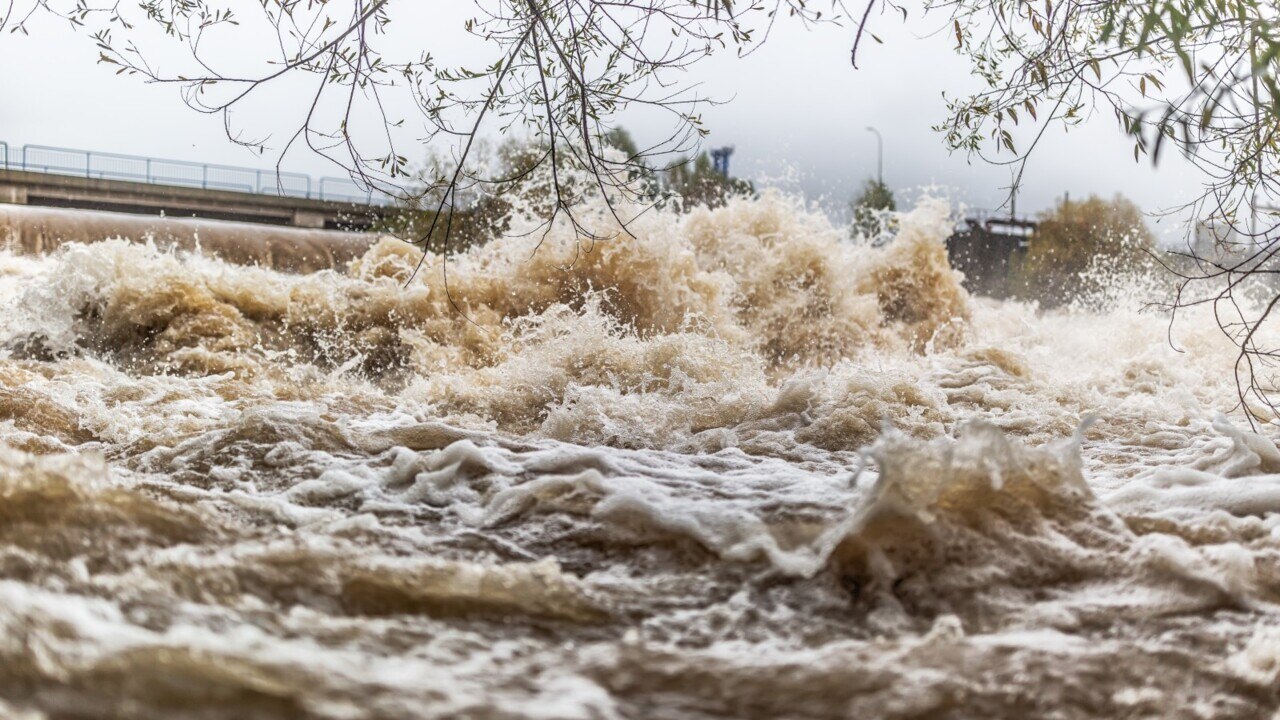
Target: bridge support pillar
column 308, row 219
column 13, row 195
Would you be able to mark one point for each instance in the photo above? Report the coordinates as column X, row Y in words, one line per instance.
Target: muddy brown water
column 730, row 467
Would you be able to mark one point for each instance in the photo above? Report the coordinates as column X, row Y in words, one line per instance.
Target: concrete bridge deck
column 25, row 187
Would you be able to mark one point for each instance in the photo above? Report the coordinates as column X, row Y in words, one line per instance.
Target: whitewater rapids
column 729, row 466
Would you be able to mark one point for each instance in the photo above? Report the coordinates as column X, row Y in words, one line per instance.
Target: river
column 724, row 466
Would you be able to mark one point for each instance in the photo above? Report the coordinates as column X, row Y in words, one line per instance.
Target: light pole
column 879, row 155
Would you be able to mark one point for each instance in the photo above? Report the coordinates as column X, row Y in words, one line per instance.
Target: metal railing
column 345, row 190
column 182, row 173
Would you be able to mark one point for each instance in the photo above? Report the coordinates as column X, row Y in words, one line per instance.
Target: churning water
column 728, row 467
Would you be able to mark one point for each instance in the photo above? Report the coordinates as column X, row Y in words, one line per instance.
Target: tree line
column 485, row 213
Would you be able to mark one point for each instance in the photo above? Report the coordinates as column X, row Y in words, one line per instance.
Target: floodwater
column 728, row 467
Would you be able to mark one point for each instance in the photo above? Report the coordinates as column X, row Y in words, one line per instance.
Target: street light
column 879, row 155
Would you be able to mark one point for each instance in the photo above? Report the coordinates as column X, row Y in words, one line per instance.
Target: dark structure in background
column 720, row 159
column 988, row 251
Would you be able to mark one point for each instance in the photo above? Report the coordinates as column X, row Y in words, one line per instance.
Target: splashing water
column 726, row 467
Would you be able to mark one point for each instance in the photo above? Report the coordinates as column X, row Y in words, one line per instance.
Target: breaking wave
column 723, row 465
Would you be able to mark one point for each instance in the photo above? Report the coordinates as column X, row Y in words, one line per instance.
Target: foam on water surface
column 728, row 466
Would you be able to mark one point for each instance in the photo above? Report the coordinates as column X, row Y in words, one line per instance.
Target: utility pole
column 879, row 155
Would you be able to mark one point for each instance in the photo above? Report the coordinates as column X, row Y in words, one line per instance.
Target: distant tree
column 870, row 207
column 620, row 139
column 1077, row 235
column 483, row 207
column 697, row 182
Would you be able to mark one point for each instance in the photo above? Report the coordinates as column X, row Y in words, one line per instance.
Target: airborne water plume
column 723, row 466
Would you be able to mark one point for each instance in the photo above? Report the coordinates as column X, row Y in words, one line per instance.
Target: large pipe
column 35, row 230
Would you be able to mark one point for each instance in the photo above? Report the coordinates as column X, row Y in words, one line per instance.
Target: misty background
column 795, row 111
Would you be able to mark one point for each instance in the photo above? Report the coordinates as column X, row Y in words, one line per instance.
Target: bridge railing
column 182, row 173
column 344, row 190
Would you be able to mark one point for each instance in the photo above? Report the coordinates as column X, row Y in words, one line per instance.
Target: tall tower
column 720, row 159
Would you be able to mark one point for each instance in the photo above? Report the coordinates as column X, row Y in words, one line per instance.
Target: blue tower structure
column 720, row 159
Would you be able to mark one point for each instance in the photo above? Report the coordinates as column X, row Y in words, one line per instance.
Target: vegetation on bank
column 1075, row 241
column 486, row 205
column 871, row 212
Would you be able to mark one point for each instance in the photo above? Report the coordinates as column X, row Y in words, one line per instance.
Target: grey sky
column 798, row 112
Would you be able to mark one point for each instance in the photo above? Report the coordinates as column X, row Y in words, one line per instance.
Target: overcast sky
column 798, row 114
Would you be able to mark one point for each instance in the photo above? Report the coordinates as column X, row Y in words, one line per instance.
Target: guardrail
column 182, row 173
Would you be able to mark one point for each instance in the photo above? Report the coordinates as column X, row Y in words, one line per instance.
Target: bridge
column 67, row 178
